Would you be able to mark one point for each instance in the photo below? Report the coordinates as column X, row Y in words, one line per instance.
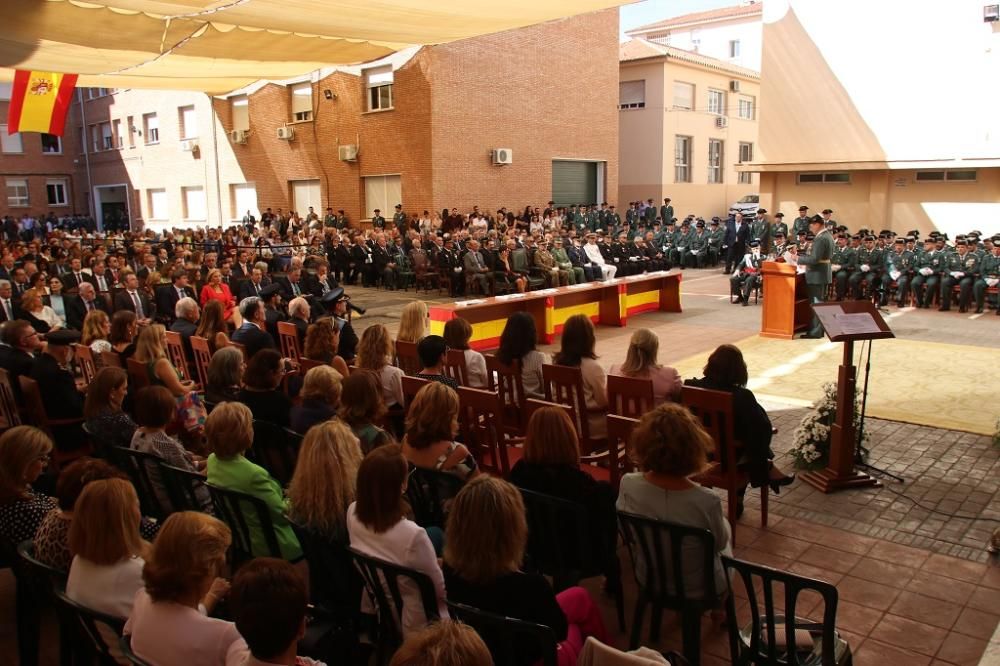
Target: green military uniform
column 631, row 215
column 715, row 236
column 378, row 222
column 843, row 263
column 613, row 221
column 698, row 251
column 801, row 223
column 746, row 277
column 399, row 221
column 579, row 221
column 574, row 274
column 666, row 212
column 779, row 226
column 989, row 269
column 330, row 220
column 928, row 266
column 759, row 231
column 682, row 244
column 869, row 262
column 898, row 266
column 962, row 269
column 591, row 219
column 818, row 274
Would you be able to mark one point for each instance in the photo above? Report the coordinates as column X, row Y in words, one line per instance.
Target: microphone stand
column 861, row 452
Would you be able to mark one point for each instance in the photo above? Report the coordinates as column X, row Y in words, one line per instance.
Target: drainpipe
column 86, row 156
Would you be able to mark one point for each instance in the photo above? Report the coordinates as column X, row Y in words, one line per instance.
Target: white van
column 748, row 205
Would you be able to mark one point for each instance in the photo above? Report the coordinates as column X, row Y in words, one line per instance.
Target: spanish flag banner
column 39, row 102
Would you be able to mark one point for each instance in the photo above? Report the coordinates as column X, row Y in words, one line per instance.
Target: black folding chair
column 428, row 492
column 245, row 515
column 564, row 542
column 664, row 556
column 125, row 643
column 274, row 450
column 508, row 638
column 34, row 584
column 183, row 486
column 381, row 582
column 87, row 636
column 142, row 468
column 766, row 639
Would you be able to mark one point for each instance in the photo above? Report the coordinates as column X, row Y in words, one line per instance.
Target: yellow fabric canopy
column 216, row 47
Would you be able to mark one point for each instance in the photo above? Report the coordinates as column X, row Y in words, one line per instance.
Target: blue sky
column 650, row 11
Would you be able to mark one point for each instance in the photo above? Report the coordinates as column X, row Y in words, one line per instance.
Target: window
column 51, row 144
column 378, row 81
column 194, row 203
column 94, row 93
column 632, row 95
column 837, row 177
column 157, row 201
column 116, row 133
column 244, row 198
column 151, row 128
column 683, row 95
column 17, row 192
column 240, row 106
column 734, row 48
column 382, row 192
column 747, row 108
column 10, row 143
column 746, row 155
column 107, row 140
column 682, row 159
column 714, row 160
column 55, row 192
column 189, row 122
column 130, row 130
column 940, row 176
column 717, row 102
column 5, row 90
column 302, row 102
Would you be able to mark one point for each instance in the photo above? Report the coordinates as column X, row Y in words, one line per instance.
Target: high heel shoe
column 776, row 484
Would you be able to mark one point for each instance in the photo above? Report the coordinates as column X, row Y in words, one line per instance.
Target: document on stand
column 858, row 323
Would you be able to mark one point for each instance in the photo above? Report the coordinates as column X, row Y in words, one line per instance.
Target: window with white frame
column 717, row 102
column 55, row 192
column 683, row 95
column 746, row 108
column 151, row 128
column 10, row 143
column 715, row 156
column 632, row 94
column 116, row 133
column 833, row 177
column 244, row 198
column 382, row 192
column 734, row 48
column 378, row 82
column 107, row 139
column 17, row 192
column 682, row 159
column 240, row 106
column 51, row 144
column 746, row 155
column 157, row 202
column 189, row 122
column 195, row 205
column 302, row 102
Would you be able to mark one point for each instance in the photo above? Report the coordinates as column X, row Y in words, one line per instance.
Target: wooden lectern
column 786, row 304
column 846, row 322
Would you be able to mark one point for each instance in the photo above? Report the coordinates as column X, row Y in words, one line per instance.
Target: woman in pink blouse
column 217, row 290
column 640, row 363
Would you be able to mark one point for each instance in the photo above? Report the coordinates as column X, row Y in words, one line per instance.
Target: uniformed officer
column 698, row 251
column 927, row 267
column 962, row 269
column 989, row 275
column 378, row 222
column 682, row 244
column 842, row 263
column 715, row 234
column 746, row 277
column 399, row 220
column 760, row 230
column 779, row 225
column 869, row 262
column 801, row 223
column 666, row 210
column 780, row 246
column 574, row 274
column 898, row 268
column 614, row 220
column 818, row 273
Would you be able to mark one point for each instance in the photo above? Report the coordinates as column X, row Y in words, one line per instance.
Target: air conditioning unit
column 348, row 153
column 722, row 122
column 239, row 136
column 286, row 133
column 502, row 156
column 189, row 145
column 734, row 86
column 991, row 13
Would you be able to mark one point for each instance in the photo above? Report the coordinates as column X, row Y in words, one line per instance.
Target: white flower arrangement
column 811, row 446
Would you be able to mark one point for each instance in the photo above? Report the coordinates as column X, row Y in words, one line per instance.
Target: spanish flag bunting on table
column 39, row 102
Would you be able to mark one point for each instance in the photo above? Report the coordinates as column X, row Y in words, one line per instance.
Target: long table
column 610, row 302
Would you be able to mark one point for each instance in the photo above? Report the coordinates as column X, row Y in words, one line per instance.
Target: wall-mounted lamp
column 327, row 93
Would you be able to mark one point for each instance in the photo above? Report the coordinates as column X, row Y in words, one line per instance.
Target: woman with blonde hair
column 482, row 568
column 640, row 363
column 96, row 332
column 431, row 427
column 39, row 315
column 375, row 352
column 212, row 326
column 321, row 343
column 150, row 350
column 169, row 623
column 24, row 455
column 413, row 322
column 669, row 446
column 444, row 643
column 320, row 398
column 107, row 548
column 216, row 289
column 325, row 479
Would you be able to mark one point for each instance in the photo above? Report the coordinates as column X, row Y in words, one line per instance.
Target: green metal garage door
column 574, row 182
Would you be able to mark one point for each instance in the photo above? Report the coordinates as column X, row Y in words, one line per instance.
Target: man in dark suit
column 62, row 398
column 76, row 276
column 299, row 312
column 242, row 267
column 186, row 324
column 17, row 354
column 253, row 286
column 87, row 300
column 8, row 306
column 271, row 295
column 291, row 285
column 252, row 334
column 148, row 266
column 737, row 235
column 136, row 301
column 323, row 281
column 167, row 297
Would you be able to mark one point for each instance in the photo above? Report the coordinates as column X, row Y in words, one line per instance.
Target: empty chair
column 202, row 357
column 406, row 357
column 506, row 380
column 481, row 421
column 564, row 384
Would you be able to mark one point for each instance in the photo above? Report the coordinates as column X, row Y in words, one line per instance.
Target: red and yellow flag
column 39, row 102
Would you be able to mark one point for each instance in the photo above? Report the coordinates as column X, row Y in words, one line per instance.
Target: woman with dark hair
column 106, row 423
column 517, row 343
column 212, row 326
column 578, row 341
column 261, row 392
column 457, row 333
column 727, row 371
column 361, row 406
column 321, row 344
column 55, row 299
column 123, row 331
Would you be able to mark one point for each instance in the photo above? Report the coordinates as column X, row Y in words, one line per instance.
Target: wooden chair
column 629, row 396
column 619, row 434
column 506, row 380
column 411, row 385
column 35, row 413
column 111, row 359
column 137, row 374
column 407, row 359
column 480, row 416
column 242, row 347
column 10, row 416
column 202, row 357
column 715, row 411
column 288, row 337
column 85, row 361
column 454, row 366
column 176, row 355
column 564, row 384
column 307, row 364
